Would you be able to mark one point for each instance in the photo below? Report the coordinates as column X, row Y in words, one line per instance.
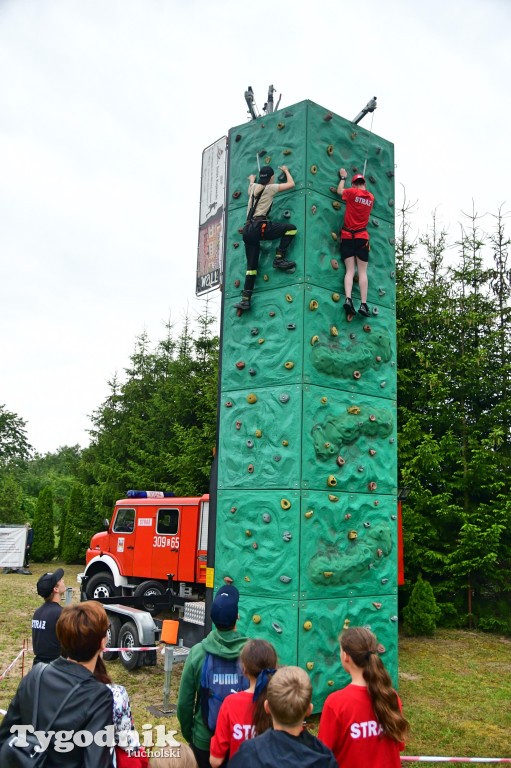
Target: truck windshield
column 125, row 521
column 167, row 521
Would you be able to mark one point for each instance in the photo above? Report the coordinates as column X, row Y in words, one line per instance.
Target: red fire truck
column 151, row 535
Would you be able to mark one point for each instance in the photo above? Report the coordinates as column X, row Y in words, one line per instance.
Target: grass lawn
column 455, row 687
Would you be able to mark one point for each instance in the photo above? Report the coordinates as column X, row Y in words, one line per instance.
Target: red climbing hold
column 334, row 263
column 328, row 116
column 367, row 328
column 240, row 365
column 236, row 283
column 236, row 194
column 238, row 425
column 372, row 486
column 356, row 374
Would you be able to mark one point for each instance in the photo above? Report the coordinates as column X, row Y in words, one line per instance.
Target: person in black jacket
column 28, row 544
column 287, row 745
column 44, row 621
column 81, row 630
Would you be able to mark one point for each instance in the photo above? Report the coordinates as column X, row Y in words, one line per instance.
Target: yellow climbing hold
column 333, row 235
column 258, row 433
column 346, row 623
column 286, row 152
column 352, row 535
column 332, row 481
column 331, row 497
column 249, row 533
column 336, row 205
column 309, row 513
column 313, row 305
column 314, row 169
column 285, row 442
column 354, row 409
column 260, row 341
column 310, row 665
column 289, row 365
column 247, row 578
column 327, row 445
column 324, row 400
column 314, row 340
column 280, row 126
column 265, row 278
column 336, row 297
column 333, row 331
column 327, row 574
column 330, row 682
column 285, row 503
column 256, row 619
column 330, row 150
column 307, row 625
column 251, row 398
column 267, row 160
column 289, row 297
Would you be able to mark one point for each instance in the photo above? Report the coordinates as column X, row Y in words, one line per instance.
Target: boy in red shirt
column 355, row 238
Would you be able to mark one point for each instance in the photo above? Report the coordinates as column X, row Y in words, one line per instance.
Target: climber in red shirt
column 355, row 238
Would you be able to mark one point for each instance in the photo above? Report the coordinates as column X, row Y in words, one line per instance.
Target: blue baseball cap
column 224, row 608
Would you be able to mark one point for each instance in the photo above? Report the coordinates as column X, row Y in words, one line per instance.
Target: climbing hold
column 353, row 336
column 393, row 517
column 375, row 222
column 280, row 126
column 390, row 174
column 346, row 624
column 378, row 358
column 254, row 545
column 277, row 458
column 285, row 579
column 377, row 606
column 236, row 283
column 334, row 262
column 330, row 150
column 375, row 311
column 307, row 625
column 256, row 619
column 381, row 292
column 372, row 486
column 285, row 503
column 392, row 241
column 289, row 298
column 324, row 400
column 327, row 574
column 392, row 273
column 314, row 209
column 271, row 314
column 352, row 137
column 228, row 404
column 347, row 516
column 336, row 205
column 236, row 245
column 372, row 417
column 254, row 331
column 250, row 469
column 378, row 150
column 310, row 665
column 328, row 116
column 261, row 153
column 240, row 230
column 251, row 398
column 267, row 160
column 392, row 363
column 384, row 581
column 314, row 169
column 372, row 452
column 287, row 536
column 283, row 397
column 367, row 328
column 285, row 442
column 240, row 365
column 361, row 468
column 376, row 503
column 233, row 510
column 332, row 481
column 354, row 409
column 265, row 278
column 287, row 113
column 372, row 179
column 314, row 340
column 327, row 445
column 291, row 326
column 313, row 305
column 356, row 374
column 393, row 618
column 277, row 628
column 333, row 190
column 238, row 424
column 382, row 384
column 332, row 498
column 379, row 552
column 336, row 297
column 248, row 533
column 260, row 341
column 258, row 433
column 309, row 513
column 333, row 235
column 340, row 461
column 247, row 578
column 380, row 648
column 250, row 443
column 266, row 517
column 238, row 137
column 352, row 535
column 236, row 194
column 289, row 365
column 286, row 152
column 287, row 214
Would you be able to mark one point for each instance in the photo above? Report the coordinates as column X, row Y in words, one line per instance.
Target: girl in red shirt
column 363, row 724
column 242, row 714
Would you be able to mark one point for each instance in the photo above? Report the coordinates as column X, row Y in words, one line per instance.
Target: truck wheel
column 150, row 588
column 101, row 585
column 112, row 636
column 128, row 638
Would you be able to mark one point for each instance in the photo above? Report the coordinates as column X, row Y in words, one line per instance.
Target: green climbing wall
column 307, row 508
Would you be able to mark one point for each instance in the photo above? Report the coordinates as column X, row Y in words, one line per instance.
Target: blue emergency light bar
column 150, row 495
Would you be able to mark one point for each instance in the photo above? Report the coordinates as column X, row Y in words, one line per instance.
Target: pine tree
column 421, row 613
column 43, row 547
column 78, row 529
column 11, row 502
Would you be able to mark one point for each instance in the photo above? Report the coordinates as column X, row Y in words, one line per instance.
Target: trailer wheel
column 128, row 638
column 101, row 585
column 112, row 637
column 150, row 588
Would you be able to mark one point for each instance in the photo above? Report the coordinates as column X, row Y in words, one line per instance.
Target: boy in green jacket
column 224, row 641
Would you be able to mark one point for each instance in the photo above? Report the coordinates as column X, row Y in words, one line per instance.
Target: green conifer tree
column 421, row 613
column 77, row 531
column 43, row 548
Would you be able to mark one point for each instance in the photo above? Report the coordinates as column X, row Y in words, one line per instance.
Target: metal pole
column 369, row 107
column 167, row 668
column 69, row 595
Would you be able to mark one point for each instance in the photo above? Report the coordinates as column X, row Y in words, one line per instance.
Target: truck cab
column 150, row 536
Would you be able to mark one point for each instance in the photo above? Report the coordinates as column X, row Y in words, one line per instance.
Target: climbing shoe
column 348, row 307
column 244, row 304
column 280, row 262
column 364, row 310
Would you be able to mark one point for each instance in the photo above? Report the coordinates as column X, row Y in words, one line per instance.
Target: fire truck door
column 122, row 539
column 165, row 549
column 143, row 550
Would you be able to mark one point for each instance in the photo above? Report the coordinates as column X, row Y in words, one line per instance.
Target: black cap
column 224, row 608
column 48, row 582
column 266, row 173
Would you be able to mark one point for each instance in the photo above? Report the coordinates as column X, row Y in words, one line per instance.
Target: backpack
column 219, row 678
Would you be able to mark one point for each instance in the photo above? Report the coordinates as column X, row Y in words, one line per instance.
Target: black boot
column 348, row 306
column 280, row 262
column 364, row 310
column 244, row 304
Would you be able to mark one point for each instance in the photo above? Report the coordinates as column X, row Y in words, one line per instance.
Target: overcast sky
column 106, row 106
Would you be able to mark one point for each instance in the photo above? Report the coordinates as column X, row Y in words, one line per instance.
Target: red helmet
column 358, row 177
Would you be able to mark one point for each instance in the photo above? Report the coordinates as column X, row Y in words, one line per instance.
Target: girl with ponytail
column 242, row 715
column 363, row 724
